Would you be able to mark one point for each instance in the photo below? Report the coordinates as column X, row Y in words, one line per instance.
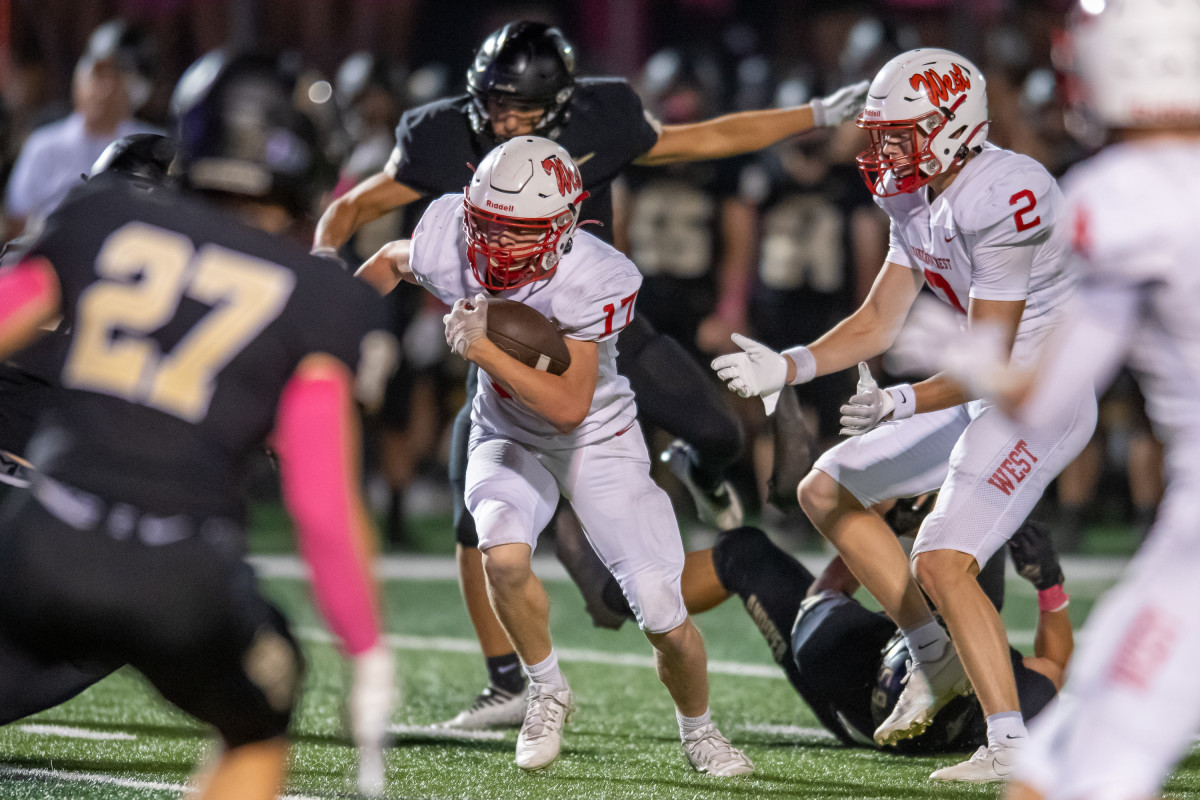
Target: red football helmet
column 522, row 208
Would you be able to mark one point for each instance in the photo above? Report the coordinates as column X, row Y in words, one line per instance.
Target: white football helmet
column 522, row 208
column 935, row 100
column 1133, row 64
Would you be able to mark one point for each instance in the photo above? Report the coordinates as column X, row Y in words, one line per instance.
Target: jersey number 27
column 113, row 352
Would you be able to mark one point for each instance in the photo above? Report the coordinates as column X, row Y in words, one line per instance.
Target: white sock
column 926, row 642
column 547, row 671
column 1006, row 729
column 689, row 724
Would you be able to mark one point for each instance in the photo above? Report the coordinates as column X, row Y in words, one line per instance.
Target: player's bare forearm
column 728, row 135
column 388, row 266
column 836, row 577
column 1052, row 646
column 562, row 400
column 367, row 201
column 872, row 328
column 938, row 392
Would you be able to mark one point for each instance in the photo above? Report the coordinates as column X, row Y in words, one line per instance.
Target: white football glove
column 867, row 407
column 466, row 323
column 758, row 371
column 842, row 106
column 372, row 696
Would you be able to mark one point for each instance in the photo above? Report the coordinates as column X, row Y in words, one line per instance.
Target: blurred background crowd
column 780, row 245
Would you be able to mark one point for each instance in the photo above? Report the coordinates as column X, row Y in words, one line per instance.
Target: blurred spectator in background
column 683, row 224
column 112, row 80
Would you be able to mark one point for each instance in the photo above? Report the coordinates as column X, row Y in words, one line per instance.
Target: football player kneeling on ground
column 537, row 436
column 191, row 342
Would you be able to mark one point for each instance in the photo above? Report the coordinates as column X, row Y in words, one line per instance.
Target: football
column 526, row 335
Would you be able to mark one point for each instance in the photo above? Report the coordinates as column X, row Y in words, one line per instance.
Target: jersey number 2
column 1024, row 224
column 113, row 353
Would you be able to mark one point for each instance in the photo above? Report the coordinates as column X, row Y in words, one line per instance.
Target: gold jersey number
column 145, row 272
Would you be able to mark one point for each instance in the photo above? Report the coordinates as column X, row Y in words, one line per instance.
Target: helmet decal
column 569, row 182
column 938, row 88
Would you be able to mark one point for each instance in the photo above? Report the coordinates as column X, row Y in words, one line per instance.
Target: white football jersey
column 590, row 297
column 1134, row 223
column 989, row 236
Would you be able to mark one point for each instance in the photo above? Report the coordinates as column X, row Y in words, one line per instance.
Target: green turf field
column 119, row 741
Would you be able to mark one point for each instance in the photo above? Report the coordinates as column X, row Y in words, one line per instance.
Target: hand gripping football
column 526, row 335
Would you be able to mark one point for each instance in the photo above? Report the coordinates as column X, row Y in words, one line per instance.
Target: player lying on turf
column 849, row 664
column 538, row 436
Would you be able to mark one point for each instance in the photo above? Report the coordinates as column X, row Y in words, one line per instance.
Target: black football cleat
column 795, row 451
column 1034, row 557
column 906, row 516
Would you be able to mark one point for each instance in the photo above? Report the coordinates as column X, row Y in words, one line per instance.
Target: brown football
column 526, row 335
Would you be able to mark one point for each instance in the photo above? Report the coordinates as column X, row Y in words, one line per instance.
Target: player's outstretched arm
column 388, row 266
column 317, row 438
column 29, row 300
column 563, row 400
column 747, row 131
column 367, row 201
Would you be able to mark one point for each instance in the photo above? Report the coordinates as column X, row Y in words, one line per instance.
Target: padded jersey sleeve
column 605, row 305
column 435, row 257
column 897, row 252
column 1005, row 224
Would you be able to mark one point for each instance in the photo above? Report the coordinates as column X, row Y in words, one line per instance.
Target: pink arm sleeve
column 317, row 438
column 29, row 296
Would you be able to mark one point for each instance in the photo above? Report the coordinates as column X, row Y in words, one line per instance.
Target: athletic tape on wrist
column 818, row 112
column 806, row 365
column 905, row 400
column 1053, row 599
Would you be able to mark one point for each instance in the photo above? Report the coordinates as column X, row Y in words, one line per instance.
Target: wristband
column 904, row 399
column 1053, row 599
column 818, row 112
column 806, row 365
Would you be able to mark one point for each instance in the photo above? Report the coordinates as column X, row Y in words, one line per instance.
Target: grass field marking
column 434, row 732
column 789, row 730
column 75, row 733
column 431, row 567
column 109, row 780
column 446, row 644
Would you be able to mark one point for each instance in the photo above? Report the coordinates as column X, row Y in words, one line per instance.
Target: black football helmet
column 528, row 64
column 255, row 126
column 143, row 157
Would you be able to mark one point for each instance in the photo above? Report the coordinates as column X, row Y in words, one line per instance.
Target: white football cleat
column 721, row 508
column 493, row 708
column 927, row 690
column 989, row 765
column 540, row 739
column 709, row 751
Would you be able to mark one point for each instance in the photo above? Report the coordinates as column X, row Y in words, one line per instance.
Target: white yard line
column 427, row 567
column 109, row 780
column 75, row 733
column 445, row 644
column 432, row 732
column 789, row 730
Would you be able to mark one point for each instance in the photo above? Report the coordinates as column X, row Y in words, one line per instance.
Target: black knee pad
column 272, row 671
column 741, row 553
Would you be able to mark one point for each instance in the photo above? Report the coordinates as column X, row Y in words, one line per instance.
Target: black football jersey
column 607, row 129
column 185, row 325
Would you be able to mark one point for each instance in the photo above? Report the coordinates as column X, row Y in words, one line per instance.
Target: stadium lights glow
column 1092, row 6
